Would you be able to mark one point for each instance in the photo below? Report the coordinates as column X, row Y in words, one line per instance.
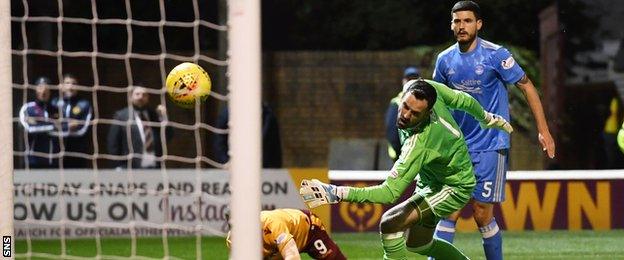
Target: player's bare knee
column 482, row 219
column 483, row 213
column 388, row 223
column 393, row 220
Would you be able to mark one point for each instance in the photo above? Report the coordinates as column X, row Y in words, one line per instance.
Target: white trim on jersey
column 489, row 45
column 450, row 127
column 436, row 199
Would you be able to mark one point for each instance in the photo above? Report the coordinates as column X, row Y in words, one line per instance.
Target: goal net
column 104, row 172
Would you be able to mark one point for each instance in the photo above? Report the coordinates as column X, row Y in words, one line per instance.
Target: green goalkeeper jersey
column 435, row 150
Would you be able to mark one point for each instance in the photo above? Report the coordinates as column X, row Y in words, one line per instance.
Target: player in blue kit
column 483, row 69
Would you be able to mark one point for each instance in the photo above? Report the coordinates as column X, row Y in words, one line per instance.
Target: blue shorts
column 491, row 170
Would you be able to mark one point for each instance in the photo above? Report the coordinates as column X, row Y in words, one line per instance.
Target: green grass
column 517, row 245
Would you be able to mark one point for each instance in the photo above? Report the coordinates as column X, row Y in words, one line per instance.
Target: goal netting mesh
column 84, row 202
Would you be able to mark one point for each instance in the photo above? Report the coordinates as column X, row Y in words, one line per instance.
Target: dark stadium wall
column 320, row 96
column 317, row 96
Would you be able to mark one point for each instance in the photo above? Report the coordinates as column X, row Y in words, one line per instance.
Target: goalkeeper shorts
column 437, row 202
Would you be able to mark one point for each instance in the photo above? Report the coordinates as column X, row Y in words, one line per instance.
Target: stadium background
column 325, row 69
column 333, row 80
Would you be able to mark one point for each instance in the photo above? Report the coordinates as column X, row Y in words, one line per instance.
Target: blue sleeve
column 506, row 66
column 438, row 71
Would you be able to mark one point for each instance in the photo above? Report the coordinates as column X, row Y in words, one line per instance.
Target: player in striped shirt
column 433, row 154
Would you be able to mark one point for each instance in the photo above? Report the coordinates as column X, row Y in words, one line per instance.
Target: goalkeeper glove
column 496, row 121
column 315, row 193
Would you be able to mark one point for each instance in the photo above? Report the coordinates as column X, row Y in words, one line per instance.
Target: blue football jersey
column 483, row 73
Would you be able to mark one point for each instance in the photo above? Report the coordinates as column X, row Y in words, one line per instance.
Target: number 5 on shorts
column 487, row 189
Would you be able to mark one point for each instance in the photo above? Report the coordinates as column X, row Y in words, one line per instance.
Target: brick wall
column 318, row 96
column 323, row 95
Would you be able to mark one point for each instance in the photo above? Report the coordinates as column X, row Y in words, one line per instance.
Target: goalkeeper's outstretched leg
column 414, row 215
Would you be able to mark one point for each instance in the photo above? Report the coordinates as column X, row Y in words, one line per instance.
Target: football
column 187, row 84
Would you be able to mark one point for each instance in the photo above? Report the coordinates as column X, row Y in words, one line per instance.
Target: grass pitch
column 517, row 245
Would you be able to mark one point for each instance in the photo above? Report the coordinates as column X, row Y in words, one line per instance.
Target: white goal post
column 245, row 145
column 6, row 127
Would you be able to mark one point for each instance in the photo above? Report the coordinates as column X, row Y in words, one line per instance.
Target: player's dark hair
column 467, row 6
column 421, row 89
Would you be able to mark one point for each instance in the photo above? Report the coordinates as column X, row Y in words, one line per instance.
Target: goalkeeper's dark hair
column 467, row 6
column 421, row 89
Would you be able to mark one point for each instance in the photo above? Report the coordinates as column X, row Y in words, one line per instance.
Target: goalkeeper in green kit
column 435, row 155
